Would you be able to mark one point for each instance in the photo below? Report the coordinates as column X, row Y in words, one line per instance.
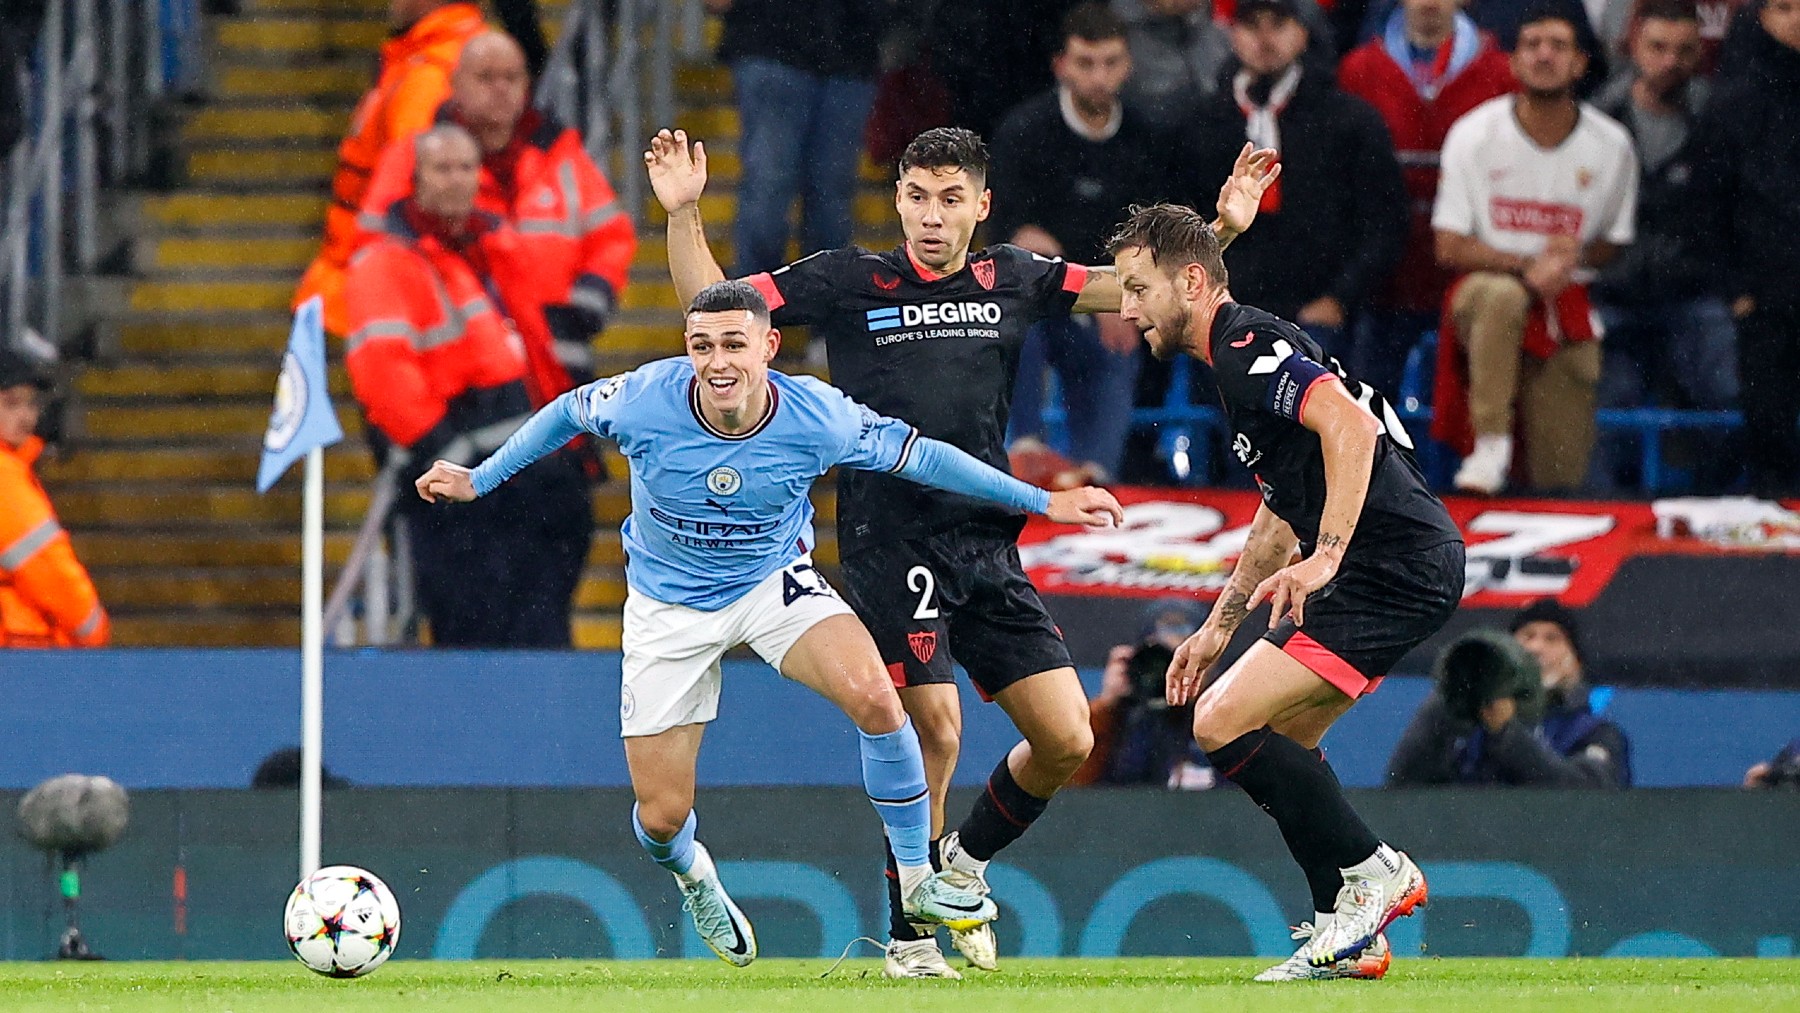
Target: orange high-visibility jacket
column 414, row 81
column 430, row 353
column 46, row 596
column 569, row 220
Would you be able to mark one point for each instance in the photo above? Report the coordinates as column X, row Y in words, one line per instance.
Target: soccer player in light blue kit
column 723, row 454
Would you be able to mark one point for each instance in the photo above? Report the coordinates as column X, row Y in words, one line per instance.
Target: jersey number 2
column 919, row 579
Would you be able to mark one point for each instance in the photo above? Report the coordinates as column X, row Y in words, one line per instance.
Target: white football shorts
column 672, row 652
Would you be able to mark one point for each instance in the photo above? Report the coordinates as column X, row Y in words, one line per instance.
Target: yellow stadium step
column 203, row 210
column 288, row 124
column 191, row 381
column 182, row 253
column 703, row 82
column 196, row 465
column 211, row 296
column 206, row 629
column 597, row 632
column 651, row 295
column 200, row 588
column 163, row 337
column 122, row 550
column 177, row 506
column 301, row 36
column 187, row 423
column 267, row 167
column 707, row 123
column 873, row 209
column 600, row 591
column 345, row 80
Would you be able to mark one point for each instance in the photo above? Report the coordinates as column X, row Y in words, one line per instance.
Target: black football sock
column 899, row 929
column 1303, row 796
column 1002, row 813
column 1323, row 879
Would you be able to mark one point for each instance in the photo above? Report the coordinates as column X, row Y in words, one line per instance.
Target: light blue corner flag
column 303, row 417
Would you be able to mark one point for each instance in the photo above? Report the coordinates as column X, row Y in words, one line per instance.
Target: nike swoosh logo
column 740, row 947
column 1246, row 340
column 971, row 908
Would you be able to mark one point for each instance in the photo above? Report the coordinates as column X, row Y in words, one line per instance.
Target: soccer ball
column 342, row 921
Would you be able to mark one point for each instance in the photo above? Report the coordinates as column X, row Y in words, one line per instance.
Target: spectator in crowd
column 536, row 174
column 1748, row 172
column 1066, row 166
column 1537, row 190
column 1667, row 332
column 1180, row 53
column 1498, row 718
column 1617, row 24
column 993, row 54
column 1429, row 67
column 1503, row 19
column 1138, row 737
column 804, row 72
column 442, row 373
column 414, row 80
column 46, row 596
column 1340, row 198
column 1780, row 771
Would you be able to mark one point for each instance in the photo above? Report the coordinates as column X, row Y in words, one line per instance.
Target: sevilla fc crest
column 923, row 644
column 984, row 273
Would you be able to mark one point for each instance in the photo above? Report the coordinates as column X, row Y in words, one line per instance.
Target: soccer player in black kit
column 1381, row 569
column 931, row 331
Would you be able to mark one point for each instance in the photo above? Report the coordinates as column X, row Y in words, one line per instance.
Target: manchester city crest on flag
column 302, row 418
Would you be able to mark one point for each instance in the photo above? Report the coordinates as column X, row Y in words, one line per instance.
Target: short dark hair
column 1092, row 22
column 1553, row 10
column 725, row 296
column 947, row 148
column 1175, row 236
column 1668, row 10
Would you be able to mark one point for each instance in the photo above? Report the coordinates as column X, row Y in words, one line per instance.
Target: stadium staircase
column 157, row 485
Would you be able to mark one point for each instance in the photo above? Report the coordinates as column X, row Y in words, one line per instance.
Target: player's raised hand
column 1088, row 506
column 449, row 481
column 1195, row 655
column 1251, row 175
column 677, row 172
column 1288, row 588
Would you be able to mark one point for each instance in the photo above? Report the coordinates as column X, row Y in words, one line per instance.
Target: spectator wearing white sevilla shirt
column 1537, row 191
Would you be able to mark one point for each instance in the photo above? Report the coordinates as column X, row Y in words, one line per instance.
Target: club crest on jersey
column 724, row 481
column 885, row 282
column 983, row 270
column 923, row 644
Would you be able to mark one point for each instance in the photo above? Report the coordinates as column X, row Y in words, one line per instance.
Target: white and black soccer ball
column 342, row 922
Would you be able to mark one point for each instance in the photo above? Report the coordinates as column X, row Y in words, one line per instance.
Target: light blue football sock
column 675, row 855
column 894, row 776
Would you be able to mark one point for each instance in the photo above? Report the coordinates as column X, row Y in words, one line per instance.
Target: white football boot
column 1371, row 964
column 722, row 927
column 1366, row 904
column 978, row 944
column 917, row 958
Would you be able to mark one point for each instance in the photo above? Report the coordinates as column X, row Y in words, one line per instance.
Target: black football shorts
column 957, row 596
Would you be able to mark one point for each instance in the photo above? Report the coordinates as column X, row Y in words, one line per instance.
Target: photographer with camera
column 1783, row 771
column 1138, row 737
column 1514, row 711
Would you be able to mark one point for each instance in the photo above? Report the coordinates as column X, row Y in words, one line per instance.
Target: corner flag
column 303, row 418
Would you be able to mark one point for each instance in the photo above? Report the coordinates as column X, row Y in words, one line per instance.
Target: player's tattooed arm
column 1100, row 293
column 1267, row 548
column 1348, row 436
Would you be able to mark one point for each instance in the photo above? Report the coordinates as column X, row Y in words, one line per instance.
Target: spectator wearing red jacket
column 1429, row 67
column 448, row 354
column 536, row 175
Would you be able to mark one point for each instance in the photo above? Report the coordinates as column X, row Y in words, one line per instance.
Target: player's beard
column 1173, row 339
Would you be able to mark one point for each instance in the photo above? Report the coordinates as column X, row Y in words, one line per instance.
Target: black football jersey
column 939, row 352
column 1265, row 368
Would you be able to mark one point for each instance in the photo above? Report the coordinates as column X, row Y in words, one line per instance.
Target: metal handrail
column 86, row 131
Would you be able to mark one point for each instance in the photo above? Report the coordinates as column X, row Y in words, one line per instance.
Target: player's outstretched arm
column 1267, row 548
column 544, row 433
column 942, row 466
column 1255, row 170
column 1348, row 435
column 678, row 175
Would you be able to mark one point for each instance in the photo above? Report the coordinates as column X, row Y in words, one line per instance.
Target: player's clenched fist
column 1089, row 506
column 450, row 481
column 677, row 176
column 1195, row 655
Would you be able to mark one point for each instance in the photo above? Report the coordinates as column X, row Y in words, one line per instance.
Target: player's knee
column 873, row 706
column 662, row 819
column 1215, row 724
column 1065, row 748
column 938, row 738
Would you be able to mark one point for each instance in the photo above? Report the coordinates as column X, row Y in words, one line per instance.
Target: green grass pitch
column 1038, row 986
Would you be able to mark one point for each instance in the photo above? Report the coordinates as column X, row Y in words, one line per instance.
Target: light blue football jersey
column 712, row 514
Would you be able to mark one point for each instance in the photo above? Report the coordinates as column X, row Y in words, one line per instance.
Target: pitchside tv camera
column 69, row 818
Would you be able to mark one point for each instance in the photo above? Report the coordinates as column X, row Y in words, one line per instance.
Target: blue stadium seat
column 1186, row 433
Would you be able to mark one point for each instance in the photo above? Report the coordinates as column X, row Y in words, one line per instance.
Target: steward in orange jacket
column 46, row 597
column 414, row 80
column 535, row 174
column 448, row 355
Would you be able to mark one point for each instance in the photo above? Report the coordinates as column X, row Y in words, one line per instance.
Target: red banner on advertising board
column 1178, row 541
